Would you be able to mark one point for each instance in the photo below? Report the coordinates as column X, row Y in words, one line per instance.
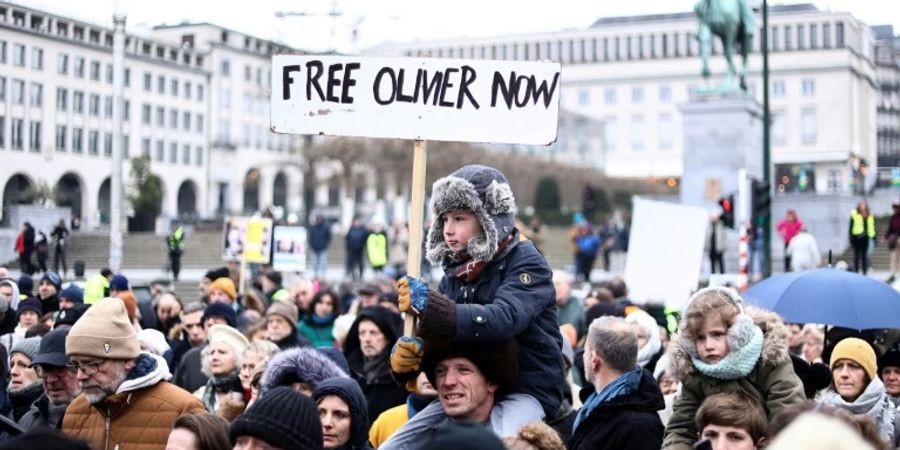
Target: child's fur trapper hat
column 740, row 331
column 483, row 190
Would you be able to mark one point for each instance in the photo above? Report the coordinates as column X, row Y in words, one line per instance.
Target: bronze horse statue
column 734, row 23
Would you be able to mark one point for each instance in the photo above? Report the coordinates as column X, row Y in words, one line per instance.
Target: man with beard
column 48, row 289
column 125, row 401
column 60, row 385
column 367, row 349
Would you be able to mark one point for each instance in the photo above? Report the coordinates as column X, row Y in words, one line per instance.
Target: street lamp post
column 767, row 148
column 115, row 220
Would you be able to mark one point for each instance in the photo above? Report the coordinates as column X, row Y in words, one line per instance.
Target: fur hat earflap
column 485, row 192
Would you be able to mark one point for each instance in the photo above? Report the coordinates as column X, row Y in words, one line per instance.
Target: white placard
column 289, row 254
column 514, row 102
column 665, row 252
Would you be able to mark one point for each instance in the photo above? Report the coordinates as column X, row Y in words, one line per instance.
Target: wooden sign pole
column 416, row 223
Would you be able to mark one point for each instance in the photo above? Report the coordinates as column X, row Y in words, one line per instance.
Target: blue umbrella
column 831, row 297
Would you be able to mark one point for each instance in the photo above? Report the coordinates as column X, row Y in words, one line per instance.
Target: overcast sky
column 377, row 21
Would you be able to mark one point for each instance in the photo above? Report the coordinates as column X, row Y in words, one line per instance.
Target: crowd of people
column 506, row 354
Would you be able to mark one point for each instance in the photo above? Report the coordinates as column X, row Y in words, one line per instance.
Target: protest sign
column 290, row 249
column 248, row 239
column 513, row 102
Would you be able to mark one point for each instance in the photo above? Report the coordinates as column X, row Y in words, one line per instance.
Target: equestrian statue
column 734, row 23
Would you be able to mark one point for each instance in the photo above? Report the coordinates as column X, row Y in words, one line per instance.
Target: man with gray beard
column 126, row 400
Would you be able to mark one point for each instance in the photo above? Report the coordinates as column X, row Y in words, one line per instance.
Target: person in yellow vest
column 862, row 235
column 97, row 286
column 391, row 420
column 175, row 247
column 377, row 247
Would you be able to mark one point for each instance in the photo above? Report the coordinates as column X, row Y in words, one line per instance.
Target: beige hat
column 104, row 331
column 228, row 335
column 814, row 430
column 284, row 309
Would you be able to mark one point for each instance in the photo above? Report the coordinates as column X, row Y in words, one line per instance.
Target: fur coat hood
column 304, row 364
column 774, row 351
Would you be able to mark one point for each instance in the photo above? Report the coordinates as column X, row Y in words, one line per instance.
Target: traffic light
column 727, row 205
column 762, row 200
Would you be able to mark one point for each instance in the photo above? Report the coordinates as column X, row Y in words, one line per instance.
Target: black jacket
column 188, row 374
column 348, row 391
column 319, row 237
column 380, row 389
column 630, row 421
column 513, row 298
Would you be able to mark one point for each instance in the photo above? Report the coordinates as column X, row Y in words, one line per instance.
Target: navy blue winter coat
column 513, row 298
column 319, row 237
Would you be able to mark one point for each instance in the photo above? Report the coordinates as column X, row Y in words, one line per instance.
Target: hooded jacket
column 375, row 379
column 304, row 364
column 138, row 416
column 772, row 381
column 349, row 391
column 630, row 421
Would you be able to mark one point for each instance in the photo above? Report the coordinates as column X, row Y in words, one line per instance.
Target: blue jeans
column 320, row 264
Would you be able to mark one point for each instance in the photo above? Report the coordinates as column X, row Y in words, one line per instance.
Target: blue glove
column 412, row 295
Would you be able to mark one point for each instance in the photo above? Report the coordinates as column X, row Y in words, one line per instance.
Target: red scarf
column 469, row 271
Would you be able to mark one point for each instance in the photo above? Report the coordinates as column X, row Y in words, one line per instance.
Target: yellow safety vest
column 858, row 228
column 95, row 288
column 376, row 248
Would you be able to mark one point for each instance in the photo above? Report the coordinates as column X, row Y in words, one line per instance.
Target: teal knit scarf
column 737, row 363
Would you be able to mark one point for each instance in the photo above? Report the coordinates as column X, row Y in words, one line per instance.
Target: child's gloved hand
column 406, row 355
column 412, row 295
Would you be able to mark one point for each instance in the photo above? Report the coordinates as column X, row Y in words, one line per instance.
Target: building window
column 839, row 35
column 174, row 87
column 801, row 37
column 637, row 95
column 225, row 67
column 95, row 70
column 609, row 134
column 173, row 153
column 248, row 73
column 148, row 82
column 145, row 147
column 186, row 121
column 173, row 119
column 584, row 97
column 61, row 138
column 826, row 35
column 109, row 73
column 37, row 95
column 127, row 77
column 126, row 110
column 778, row 88
column 78, row 102
column 160, row 151
column 160, row 116
column 187, row 89
column 665, row 94
column 638, row 132
column 779, row 127
column 161, row 84
column 77, row 140
column 126, row 146
column 37, row 58
column 198, row 158
column 2, row 89
column 18, row 92
column 107, row 106
column 813, row 36
column 34, row 136
column 19, row 55
column 94, row 105
column 199, row 123
column 107, row 144
column 2, row 131
column 676, row 47
column 62, row 64
column 609, row 96
column 788, row 38
column 2, row 52
column 809, row 87
column 665, row 132
column 145, row 114
column 16, row 139
column 62, row 99
column 808, row 126
column 199, row 92
column 186, row 154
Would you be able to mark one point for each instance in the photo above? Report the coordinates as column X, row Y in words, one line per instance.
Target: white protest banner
column 290, row 249
column 513, row 102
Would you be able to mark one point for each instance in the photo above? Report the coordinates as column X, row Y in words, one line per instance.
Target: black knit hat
column 499, row 363
column 890, row 358
column 463, row 436
column 283, row 418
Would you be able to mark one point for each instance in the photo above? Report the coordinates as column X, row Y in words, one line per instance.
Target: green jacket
column 772, row 381
column 317, row 333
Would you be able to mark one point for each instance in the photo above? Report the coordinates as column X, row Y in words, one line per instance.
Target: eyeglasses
column 43, row 371
column 88, row 368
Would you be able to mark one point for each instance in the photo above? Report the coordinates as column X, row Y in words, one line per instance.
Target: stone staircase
column 145, row 250
column 881, row 256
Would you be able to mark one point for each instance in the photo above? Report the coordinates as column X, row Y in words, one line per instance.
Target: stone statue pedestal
column 722, row 134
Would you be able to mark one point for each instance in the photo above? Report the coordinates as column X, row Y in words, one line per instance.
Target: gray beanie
column 28, row 347
column 484, row 191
